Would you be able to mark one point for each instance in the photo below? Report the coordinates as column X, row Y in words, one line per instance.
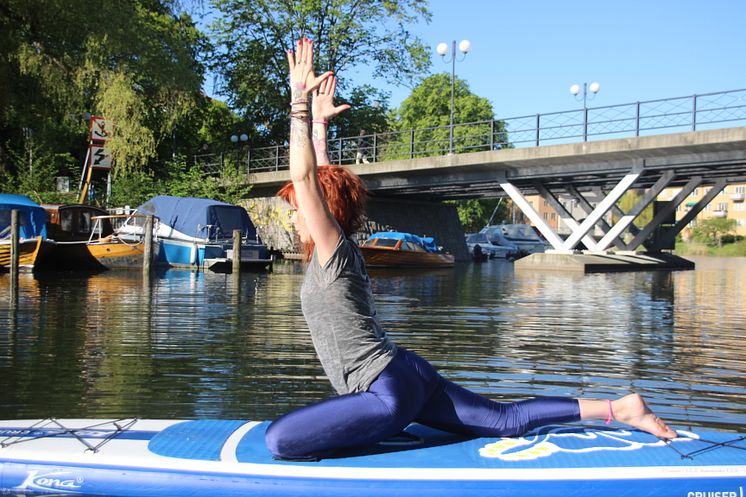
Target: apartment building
column 729, row 203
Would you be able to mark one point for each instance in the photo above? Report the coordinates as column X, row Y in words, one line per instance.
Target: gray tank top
column 337, row 302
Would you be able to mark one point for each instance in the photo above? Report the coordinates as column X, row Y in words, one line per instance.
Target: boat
column 229, row 458
column 489, row 248
column 118, row 250
column 197, row 233
column 398, row 249
column 86, row 238
column 521, row 235
column 71, row 227
column 32, row 231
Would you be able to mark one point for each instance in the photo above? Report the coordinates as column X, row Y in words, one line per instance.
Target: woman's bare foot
column 633, row 411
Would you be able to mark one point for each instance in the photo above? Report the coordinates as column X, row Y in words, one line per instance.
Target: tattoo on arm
column 299, row 132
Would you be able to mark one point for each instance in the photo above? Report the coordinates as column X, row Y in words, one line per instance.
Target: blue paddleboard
column 204, row 458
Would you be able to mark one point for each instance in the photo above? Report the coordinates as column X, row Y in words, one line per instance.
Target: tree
column 475, row 214
column 427, row 111
column 429, row 106
column 711, row 231
column 628, row 201
column 136, row 63
column 252, row 39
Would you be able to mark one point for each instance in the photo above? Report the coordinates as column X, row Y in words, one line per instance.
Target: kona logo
column 59, row 481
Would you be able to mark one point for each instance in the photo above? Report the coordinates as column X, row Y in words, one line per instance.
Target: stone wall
column 272, row 219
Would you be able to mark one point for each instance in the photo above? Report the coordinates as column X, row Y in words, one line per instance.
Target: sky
column 525, row 54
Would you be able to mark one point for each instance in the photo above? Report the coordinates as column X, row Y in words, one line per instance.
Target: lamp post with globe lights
column 239, row 140
column 464, row 46
column 594, row 88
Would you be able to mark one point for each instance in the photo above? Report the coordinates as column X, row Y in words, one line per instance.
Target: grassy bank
column 737, row 249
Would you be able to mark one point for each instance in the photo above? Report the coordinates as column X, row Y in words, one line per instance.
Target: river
column 201, row 345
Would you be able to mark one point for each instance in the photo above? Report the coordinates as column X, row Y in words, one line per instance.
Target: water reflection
column 184, row 344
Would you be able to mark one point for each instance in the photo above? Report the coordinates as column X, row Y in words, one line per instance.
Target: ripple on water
column 205, row 345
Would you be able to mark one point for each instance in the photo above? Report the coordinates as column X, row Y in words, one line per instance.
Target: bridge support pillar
column 597, row 256
column 518, row 199
column 627, row 219
column 602, row 208
column 668, row 237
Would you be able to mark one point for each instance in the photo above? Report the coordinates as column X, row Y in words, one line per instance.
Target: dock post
column 148, row 253
column 236, row 251
column 15, row 249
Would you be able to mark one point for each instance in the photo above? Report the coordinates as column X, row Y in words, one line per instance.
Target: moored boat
column 398, row 249
column 118, row 250
column 197, row 233
column 86, row 237
column 32, row 243
column 71, row 228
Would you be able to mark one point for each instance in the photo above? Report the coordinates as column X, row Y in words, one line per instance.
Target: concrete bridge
column 596, row 174
column 412, row 171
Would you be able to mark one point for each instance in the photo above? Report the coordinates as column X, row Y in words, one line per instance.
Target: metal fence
column 690, row 113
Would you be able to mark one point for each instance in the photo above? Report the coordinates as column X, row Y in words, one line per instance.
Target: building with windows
column 729, row 203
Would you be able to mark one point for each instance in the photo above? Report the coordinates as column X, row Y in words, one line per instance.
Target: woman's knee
column 281, row 440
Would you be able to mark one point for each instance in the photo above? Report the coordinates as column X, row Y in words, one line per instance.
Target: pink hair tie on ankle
column 610, row 416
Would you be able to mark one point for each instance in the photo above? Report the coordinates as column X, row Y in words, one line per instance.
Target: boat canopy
column 32, row 219
column 427, row 242
column 200, row 217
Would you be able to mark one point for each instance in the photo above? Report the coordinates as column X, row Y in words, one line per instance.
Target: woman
column 382, row 388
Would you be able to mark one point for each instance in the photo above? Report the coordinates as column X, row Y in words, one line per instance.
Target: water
column 205, row 346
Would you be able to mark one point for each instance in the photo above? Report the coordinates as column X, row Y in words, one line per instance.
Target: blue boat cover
column 426, row 241
column 33, row 218
column 192, row 215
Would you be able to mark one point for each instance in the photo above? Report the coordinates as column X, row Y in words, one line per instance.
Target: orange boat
column 86, row 238
column 404, row 250
column 118, row 250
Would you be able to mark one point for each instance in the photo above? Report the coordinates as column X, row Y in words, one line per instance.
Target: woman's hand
column 323, row 108
column 302, row 78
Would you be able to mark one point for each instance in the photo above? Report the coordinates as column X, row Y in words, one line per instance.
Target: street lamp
column 593, row 87
column 575, row 90
column 442, row 50
column 239, row 140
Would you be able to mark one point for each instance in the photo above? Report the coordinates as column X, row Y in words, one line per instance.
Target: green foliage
column 178, row 179
column 252, row 38
column 692, row 248
column 628, row 201
column 39, row 169
column 368, row 112
column 475, row 214
column 136, row 63
column 134, row 188
column 427, row 111
column 711, row 231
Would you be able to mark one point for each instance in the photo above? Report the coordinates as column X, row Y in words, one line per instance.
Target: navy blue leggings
column 409, row 389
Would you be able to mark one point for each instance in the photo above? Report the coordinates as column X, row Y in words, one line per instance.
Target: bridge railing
column 690, row 113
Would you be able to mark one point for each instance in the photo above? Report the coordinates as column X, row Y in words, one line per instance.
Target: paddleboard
column 225, row 458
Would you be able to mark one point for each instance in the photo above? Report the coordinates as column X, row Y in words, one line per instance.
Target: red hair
column 345, row 196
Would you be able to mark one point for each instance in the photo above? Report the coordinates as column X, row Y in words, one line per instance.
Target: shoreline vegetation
column 692, row 248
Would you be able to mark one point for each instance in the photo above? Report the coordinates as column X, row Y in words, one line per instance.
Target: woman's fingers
column 291, row 58
column 316, row 82
column 332, row 85
column 341, row 108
